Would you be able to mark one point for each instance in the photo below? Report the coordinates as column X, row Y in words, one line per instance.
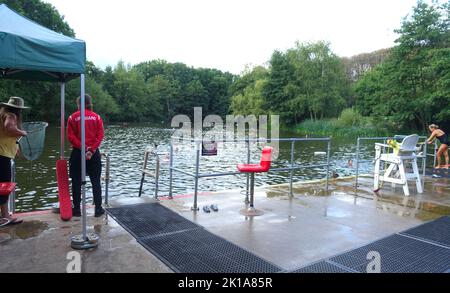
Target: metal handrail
column 292, row 166
column 107, row 178
column 295, row 139
column 153, row 153
column 12, row 196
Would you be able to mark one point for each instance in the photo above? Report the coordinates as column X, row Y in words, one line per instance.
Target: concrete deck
column 296, row 231
column 292, row 233
column 42, row 242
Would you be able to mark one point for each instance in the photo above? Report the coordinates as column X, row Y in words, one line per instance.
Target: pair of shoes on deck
column 207, row 209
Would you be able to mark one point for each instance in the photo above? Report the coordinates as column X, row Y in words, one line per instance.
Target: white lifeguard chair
column 396, row 164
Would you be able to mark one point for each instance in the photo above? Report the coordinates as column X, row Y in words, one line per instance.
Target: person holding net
column 10, row 132
column 94, row 137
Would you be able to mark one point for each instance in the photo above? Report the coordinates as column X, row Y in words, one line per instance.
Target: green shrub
column 335, row 127
column 350, row 117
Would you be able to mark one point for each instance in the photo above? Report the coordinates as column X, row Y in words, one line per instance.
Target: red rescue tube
column 65, row 204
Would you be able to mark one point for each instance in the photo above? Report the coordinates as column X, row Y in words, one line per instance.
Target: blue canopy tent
column 29, row 51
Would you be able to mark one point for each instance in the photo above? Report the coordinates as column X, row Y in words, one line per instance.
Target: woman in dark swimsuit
column 440, row 135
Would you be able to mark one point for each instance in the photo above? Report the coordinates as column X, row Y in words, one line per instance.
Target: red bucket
column 6, row 188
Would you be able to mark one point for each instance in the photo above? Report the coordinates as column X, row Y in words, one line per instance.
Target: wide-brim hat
column 15, row 102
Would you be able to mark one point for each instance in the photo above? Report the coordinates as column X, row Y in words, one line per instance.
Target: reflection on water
column 37, row 188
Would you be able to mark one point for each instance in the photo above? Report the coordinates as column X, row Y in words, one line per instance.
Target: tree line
column 404, row 87
column 411, row 88
column 152, row 91
column 399, row 89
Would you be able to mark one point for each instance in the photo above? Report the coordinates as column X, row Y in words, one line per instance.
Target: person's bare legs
column 5, row 214
column 438, row 158
column 445, row 147
column 5, row 211
column 443, row 151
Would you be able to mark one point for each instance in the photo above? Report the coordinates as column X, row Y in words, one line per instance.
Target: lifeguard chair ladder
column 396, row 171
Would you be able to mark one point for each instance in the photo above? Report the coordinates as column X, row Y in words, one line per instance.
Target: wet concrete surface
column 42, row 244
column 293, row 232
column 312, row 225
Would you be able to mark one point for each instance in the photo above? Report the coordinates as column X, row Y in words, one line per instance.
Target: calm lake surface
column 37, row 187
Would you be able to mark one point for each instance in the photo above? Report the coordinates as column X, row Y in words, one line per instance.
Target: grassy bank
column 349, row 124
column 332, row 127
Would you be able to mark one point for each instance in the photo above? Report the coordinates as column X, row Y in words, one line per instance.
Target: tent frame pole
column 83, row 155
column 63, row 119
column 84, row 241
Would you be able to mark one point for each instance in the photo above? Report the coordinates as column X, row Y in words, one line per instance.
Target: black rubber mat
column 423, row 249
column 437, row 231
column 184, row 246
column 150, row 220
column 322, row 267
column 398, row 254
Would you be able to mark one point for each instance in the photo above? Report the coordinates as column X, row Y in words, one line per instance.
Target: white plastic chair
column 397, row 161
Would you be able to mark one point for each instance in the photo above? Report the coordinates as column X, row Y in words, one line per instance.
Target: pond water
column 37, row 187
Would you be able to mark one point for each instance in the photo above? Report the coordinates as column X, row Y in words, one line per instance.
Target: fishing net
column 32, row 145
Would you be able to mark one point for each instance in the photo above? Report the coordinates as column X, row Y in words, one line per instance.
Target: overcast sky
column 227, row 34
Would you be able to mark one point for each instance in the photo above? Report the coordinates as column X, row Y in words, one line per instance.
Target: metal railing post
column 290, row 169
column 12, row 196
column 252, row 190
column 247, row 193
column 63, row 120
column 328, row 166
column 424, row 162
column 157, row 167
column 291, row 175
column 107, row 179
column 197, row 168
column 435, row 153
column 144, row 167
column 171, row 170
column 358, row 145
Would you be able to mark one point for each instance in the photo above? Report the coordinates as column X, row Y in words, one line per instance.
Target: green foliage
column 164, row 92
column 103, row 103
column 247, row 91
column 130, row 92
column 390, row 90
column 358, row 65
column 411, row 88
column 350, row 117
column 332, row 127
column 306, row 81
column 178, row 88
column 154, row 91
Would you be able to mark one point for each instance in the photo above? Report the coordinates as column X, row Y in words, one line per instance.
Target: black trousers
column 5, row 175
column 93, row 169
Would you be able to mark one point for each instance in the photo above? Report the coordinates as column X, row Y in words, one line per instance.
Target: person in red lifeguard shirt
column 94, row 137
